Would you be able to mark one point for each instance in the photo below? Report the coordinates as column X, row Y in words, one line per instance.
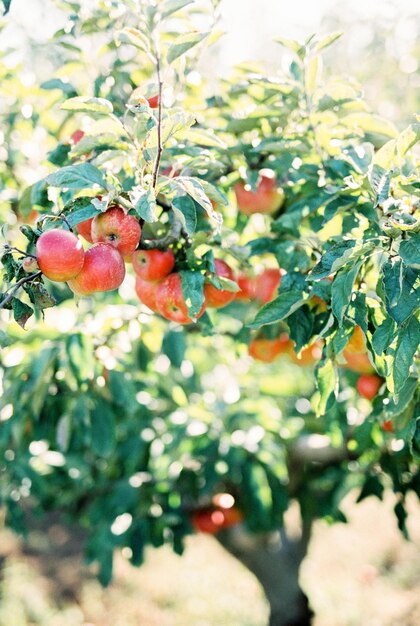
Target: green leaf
column 39, row 296
column 342, row 289
column 83, row 104
column 204, row 138
column 102, row 420
column 197, row 189
column 402, row 295
column 59, row 155
column 407, row 139
column 405, row 395
column 327, row 384
column 171, row 6
column 184, row 43
column 407, row 344
column 291, row 44
column 185, row 209
column 83, row 176
column 64, row 86
column 174, row 346
column 193, row 291
column 80, row 210
column 335, row 257
column 6, row 4
column 380, row 180
column 301, row 324
column 384, row 335
column 409, row 250
column 328, row 40
column 145, row 204
column 278, row 309
column 21, row 311
column 134, row 37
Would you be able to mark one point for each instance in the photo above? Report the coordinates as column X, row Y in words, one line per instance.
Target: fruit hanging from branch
column 59, row 254
column 267, row 198
column 103, row 270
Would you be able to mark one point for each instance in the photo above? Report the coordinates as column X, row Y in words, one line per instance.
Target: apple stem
column 16, row 287
column 159, row 127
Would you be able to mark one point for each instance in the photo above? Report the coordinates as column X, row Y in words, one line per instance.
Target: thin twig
column 13, row 248
column 22, row 281
column 159, row 128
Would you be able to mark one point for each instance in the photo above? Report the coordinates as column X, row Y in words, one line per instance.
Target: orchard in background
column 245, row 269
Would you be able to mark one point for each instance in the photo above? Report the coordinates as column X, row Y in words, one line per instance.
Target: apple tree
column 219, row 290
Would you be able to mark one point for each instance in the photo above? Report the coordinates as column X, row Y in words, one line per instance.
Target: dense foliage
column 129, row 422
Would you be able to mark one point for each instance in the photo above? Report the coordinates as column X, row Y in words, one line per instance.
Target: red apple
column 211, row 521
column 388, row 426
column 218, row 298
column 77, row 136
column 60, row 254
column 103, row 270
column 153, row 264
column 146, row 291
column 266, row 285
column 267, row 198
column 170, row 300
column 85, row 229
column 153, row 101
column 247, row 288
column 368, row 385
column 267, row 350
column 118, row 229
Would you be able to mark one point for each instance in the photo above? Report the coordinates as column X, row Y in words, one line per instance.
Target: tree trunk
column 275, row 560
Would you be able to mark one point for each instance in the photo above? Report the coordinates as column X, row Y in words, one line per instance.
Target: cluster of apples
column 160, row 288
column 268, row 350
column 62, row 258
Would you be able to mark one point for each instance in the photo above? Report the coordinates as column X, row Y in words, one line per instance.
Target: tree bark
column 275, row 560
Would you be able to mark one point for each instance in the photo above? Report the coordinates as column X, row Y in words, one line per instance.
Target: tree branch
column 159, row 128
column 22, row 281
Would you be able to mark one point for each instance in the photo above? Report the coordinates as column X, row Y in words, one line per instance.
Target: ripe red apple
column 368, row 385
column 85, row 229
column 153, row 101
column 30, row 265
column 266, row 285
column 262, row 287
column 103, row 270
column 118, row 229
column 388, row 426
column 153, row 264
column 355, row 353
column 146, row 291
column 267, row 350
column 211, row 521
column 170, row 300
column 247, row 288
column 218, row 298
column 267, row 198
column 60, row 254
column 77, row 136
